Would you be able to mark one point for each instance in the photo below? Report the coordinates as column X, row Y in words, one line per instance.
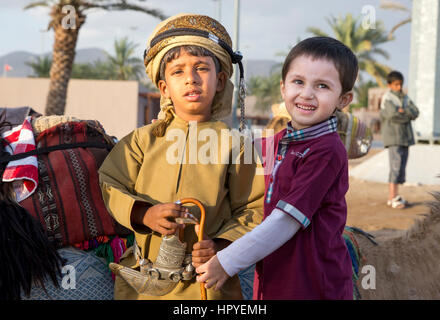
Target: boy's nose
column 307, row 93
column 191, row 78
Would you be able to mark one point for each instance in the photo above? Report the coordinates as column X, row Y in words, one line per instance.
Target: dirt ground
column 367, row 208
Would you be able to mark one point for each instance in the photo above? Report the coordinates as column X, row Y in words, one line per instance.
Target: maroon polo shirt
column 310, row 186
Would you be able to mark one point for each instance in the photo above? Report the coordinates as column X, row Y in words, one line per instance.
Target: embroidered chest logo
column 299, row 154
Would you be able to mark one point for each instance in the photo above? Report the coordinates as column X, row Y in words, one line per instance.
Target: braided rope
column 241, row 99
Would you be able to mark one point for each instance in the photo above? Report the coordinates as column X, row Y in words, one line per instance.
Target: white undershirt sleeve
column 264, row 239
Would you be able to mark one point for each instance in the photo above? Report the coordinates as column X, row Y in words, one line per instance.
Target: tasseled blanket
column 65, row 209
column 110, row 248
column 355, row 254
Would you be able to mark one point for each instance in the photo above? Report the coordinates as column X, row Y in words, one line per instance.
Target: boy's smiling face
column 312, row 91
column 191, row 82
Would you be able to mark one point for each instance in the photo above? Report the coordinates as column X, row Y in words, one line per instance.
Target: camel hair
column 406, row 267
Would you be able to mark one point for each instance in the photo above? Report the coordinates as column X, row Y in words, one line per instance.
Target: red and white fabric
column 22, row 173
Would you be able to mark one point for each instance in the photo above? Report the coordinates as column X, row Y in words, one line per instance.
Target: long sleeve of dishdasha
column 117, row 178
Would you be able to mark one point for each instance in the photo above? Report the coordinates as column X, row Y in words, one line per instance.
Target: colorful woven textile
column 22, row 173
column 110, row 248
column 68, row 201
column 85, row 277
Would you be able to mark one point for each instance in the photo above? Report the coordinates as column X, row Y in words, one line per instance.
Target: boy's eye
column 202, row 68
column 175, row 72
column 297, row 81
column 322, row 86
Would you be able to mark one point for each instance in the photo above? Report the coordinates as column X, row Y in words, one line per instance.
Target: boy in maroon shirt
column 299, row 246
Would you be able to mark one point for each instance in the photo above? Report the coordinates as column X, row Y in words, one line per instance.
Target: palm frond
column 382, row 69
column 41, row 66
column 317, row 32
column 397, row 26
column 381, row 52
column 125, row 64
column 337, row 30
column 377, row 71
column 364, row 45
column 37, row 4
column 123, row 5
column 392, row 5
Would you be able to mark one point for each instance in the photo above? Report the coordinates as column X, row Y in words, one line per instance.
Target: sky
column 266, row 27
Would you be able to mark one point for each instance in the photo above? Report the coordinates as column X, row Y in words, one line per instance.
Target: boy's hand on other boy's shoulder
column 212, row 273
column 400, row 110
column 160, row 218
column 206, row 249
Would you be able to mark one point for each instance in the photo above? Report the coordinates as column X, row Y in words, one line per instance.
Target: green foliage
column 122, row 66
column 101, row 70
column 41, row 67
column 126, row 66
column 266, row 89
column 361, row 91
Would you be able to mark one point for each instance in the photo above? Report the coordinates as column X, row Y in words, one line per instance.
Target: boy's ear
column 345, row 99
column 163, row 89
column 221, row 81
column 282, row 88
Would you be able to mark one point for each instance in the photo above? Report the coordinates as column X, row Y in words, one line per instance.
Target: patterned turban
column 198, row 30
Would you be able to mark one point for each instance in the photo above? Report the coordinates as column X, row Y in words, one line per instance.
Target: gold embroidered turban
column 199, row 30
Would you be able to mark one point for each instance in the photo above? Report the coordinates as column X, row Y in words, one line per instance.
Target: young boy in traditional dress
column 299, row 247
column 189, row 58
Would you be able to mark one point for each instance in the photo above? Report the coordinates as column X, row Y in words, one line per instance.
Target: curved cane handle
column 200, row 235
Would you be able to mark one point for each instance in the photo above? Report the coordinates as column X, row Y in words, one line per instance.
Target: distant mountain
column 90, row 55
column 17, row 60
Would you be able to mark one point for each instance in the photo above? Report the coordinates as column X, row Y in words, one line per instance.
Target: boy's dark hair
column 327, row 48
column 193, row 50
column 393, row 76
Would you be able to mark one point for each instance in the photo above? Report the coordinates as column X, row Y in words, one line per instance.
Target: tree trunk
column 63, row 55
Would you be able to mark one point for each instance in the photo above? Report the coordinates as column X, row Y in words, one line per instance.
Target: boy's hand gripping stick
column 172, row 264
column 201, row 230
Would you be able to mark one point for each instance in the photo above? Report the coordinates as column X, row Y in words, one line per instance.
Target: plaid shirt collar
column 317, row 130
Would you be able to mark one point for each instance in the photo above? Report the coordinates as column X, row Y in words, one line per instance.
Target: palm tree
column 41, row 66
column 393, row 5
column 363, row 41
column 125, row 65
column 63, row 53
